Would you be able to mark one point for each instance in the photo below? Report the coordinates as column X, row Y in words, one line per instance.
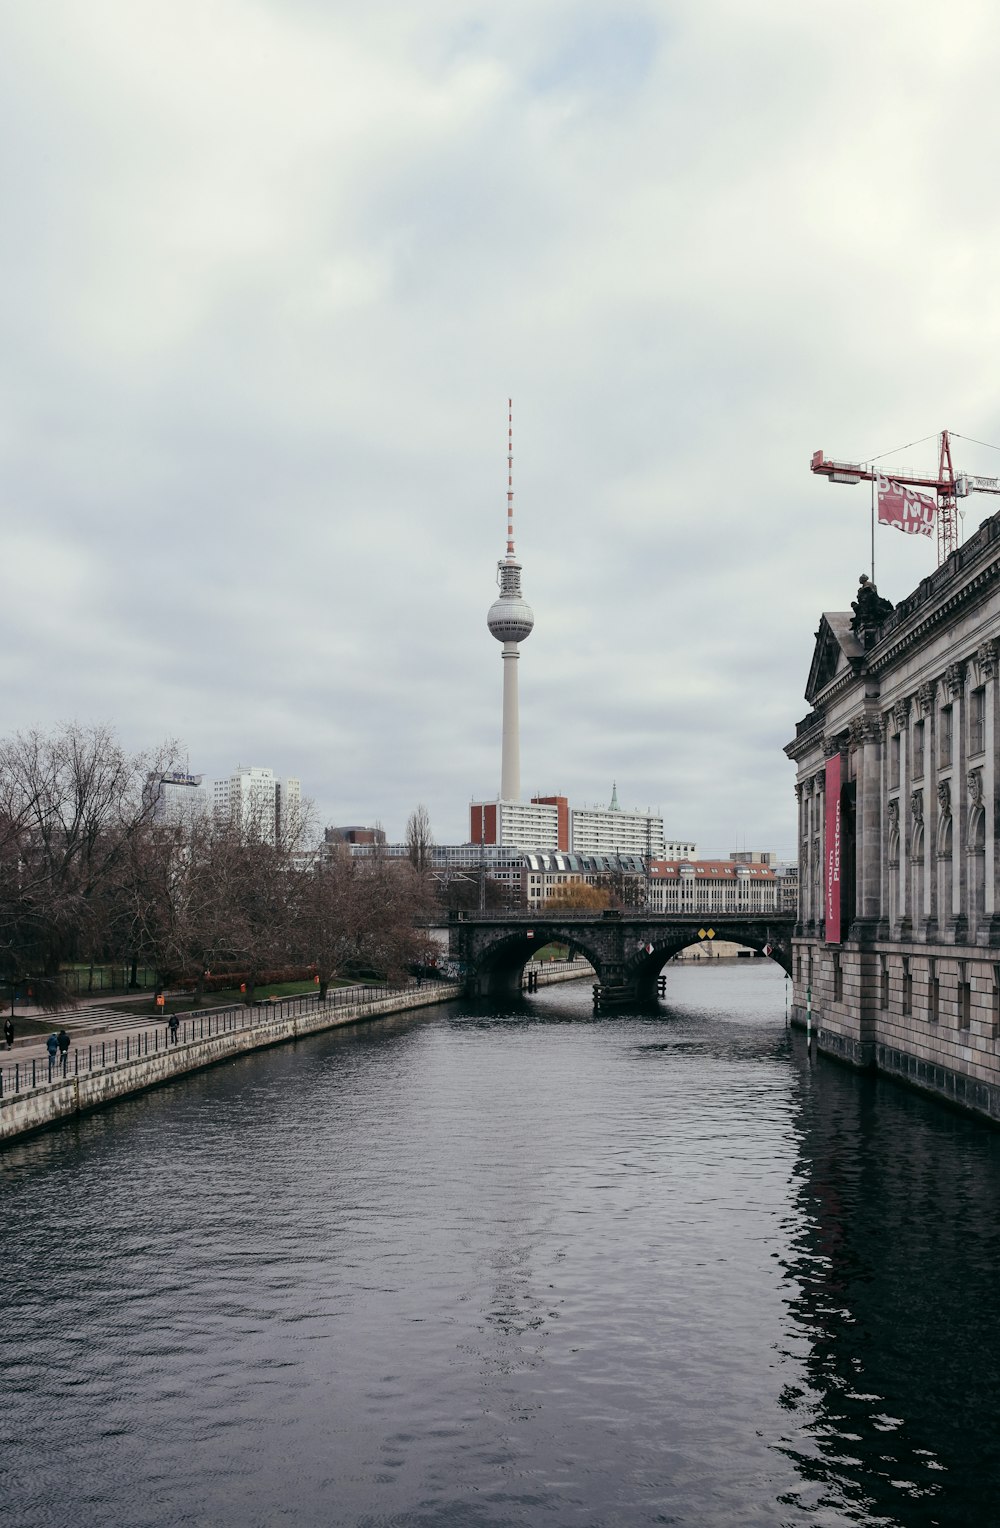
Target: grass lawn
column 552, row 952
column 146, row 1010
column 22, row 1027
column 184, row 1002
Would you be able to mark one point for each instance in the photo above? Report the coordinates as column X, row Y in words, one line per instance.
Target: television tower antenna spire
column 510, row 478
column 510, row 619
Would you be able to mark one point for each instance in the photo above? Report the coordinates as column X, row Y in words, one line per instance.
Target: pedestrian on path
column 8, row 1034
column 52, row 1046
column 174, row 1024
column 62, row 1040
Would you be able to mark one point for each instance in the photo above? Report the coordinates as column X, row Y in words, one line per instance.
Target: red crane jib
column 825, row 468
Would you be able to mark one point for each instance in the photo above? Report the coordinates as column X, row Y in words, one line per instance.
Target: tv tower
column 510, row 619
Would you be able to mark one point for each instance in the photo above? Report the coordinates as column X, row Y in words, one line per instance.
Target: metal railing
column 19, row 1077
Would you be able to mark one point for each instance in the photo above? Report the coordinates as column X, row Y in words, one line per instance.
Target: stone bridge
column 627, row 950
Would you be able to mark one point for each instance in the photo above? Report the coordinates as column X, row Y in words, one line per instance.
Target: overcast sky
column 270, row 271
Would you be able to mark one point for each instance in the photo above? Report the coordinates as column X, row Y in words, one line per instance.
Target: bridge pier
column 606, row 996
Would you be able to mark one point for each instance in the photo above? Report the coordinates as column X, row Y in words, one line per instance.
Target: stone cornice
column 929, row 607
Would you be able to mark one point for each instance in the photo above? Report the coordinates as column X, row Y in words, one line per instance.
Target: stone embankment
column 87, row 1086
column 28, row 1106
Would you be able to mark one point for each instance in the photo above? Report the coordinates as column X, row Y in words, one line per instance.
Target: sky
column 271, row 270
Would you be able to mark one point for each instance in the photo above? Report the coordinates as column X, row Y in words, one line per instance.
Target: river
column 509, row 1265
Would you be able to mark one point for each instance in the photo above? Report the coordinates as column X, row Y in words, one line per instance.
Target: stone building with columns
column 897, row 944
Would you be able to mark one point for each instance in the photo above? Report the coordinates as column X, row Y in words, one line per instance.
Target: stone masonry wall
column 23, row 1113
column 939, row 1027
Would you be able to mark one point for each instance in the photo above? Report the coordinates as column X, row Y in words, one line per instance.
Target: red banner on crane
column 905, row 508
column 831, row 868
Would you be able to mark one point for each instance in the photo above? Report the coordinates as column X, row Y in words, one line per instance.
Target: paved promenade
column 101, row 1067
column 92, row 1023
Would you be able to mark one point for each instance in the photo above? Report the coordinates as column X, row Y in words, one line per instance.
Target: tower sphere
column 510, row 619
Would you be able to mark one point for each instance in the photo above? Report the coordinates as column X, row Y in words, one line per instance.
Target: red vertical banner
column 831, row 868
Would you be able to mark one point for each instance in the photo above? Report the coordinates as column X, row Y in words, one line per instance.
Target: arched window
column 893, row 857
column 945, row 908
column 917, row 871
column 977, row 861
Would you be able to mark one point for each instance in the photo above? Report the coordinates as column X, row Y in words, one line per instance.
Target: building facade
column 517, row 824
column 254, row 797
column 175, row 797
column 549, row 822
column 609, row 830
column 712, row 886
column 897, row 947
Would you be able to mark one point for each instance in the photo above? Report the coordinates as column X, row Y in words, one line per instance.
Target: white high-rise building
column 287, row 807
column 609, row 830
column 260, row 802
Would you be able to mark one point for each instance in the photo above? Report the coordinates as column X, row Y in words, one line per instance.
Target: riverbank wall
column 49, row 1103
column 936, row 1034
column 80, row 1092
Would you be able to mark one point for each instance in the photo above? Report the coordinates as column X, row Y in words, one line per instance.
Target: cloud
column 271, row 273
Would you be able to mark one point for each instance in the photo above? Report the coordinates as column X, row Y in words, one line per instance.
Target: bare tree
column 70, row 804
column 360, row 917
column 578, row 896
column 419, row 839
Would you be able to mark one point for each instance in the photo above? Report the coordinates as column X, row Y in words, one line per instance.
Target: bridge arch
column 644, row 967
column 499, row 962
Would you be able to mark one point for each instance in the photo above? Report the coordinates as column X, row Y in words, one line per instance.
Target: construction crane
column 948, row 485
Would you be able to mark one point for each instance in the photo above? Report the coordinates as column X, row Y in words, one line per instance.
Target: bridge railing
column 576, row 914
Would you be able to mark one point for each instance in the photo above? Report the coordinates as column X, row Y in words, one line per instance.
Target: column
column 921, row 808
column 901, row 715
column 987, row 658
column 802, row 854
column 869, row 823
column 955, row 680
column 819, row 830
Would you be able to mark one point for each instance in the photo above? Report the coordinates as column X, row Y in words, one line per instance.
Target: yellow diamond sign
column 701, row 933
column 711, row 933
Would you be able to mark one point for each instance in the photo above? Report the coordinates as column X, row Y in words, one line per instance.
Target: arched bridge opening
column 497, row 967
column 644, row 977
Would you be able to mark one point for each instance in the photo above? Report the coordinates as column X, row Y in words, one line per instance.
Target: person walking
column 62, row 1040
column 8, row 1034
column 174, row 1025
column 52, row 1046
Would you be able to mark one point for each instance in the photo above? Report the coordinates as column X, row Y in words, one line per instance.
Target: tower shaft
column 510, row 757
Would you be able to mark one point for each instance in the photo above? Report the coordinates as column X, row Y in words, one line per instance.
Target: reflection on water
column 479, row 1266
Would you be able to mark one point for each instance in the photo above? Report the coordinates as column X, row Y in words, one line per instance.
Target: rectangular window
column 964, row 996
column 977, row 721
column 907, row 986
column 996, row 1002
column 838, row 980
column 933, row 992
column 894, row 760
column 918, row 750
column 884, row 982
column 944, row 736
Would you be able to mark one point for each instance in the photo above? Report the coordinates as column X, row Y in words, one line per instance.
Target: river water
column 487, row 1265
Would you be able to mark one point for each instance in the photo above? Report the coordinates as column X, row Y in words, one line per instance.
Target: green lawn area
column 552, row 952
column 184, row 1002
column 22, row 1027
column 146, row 1010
